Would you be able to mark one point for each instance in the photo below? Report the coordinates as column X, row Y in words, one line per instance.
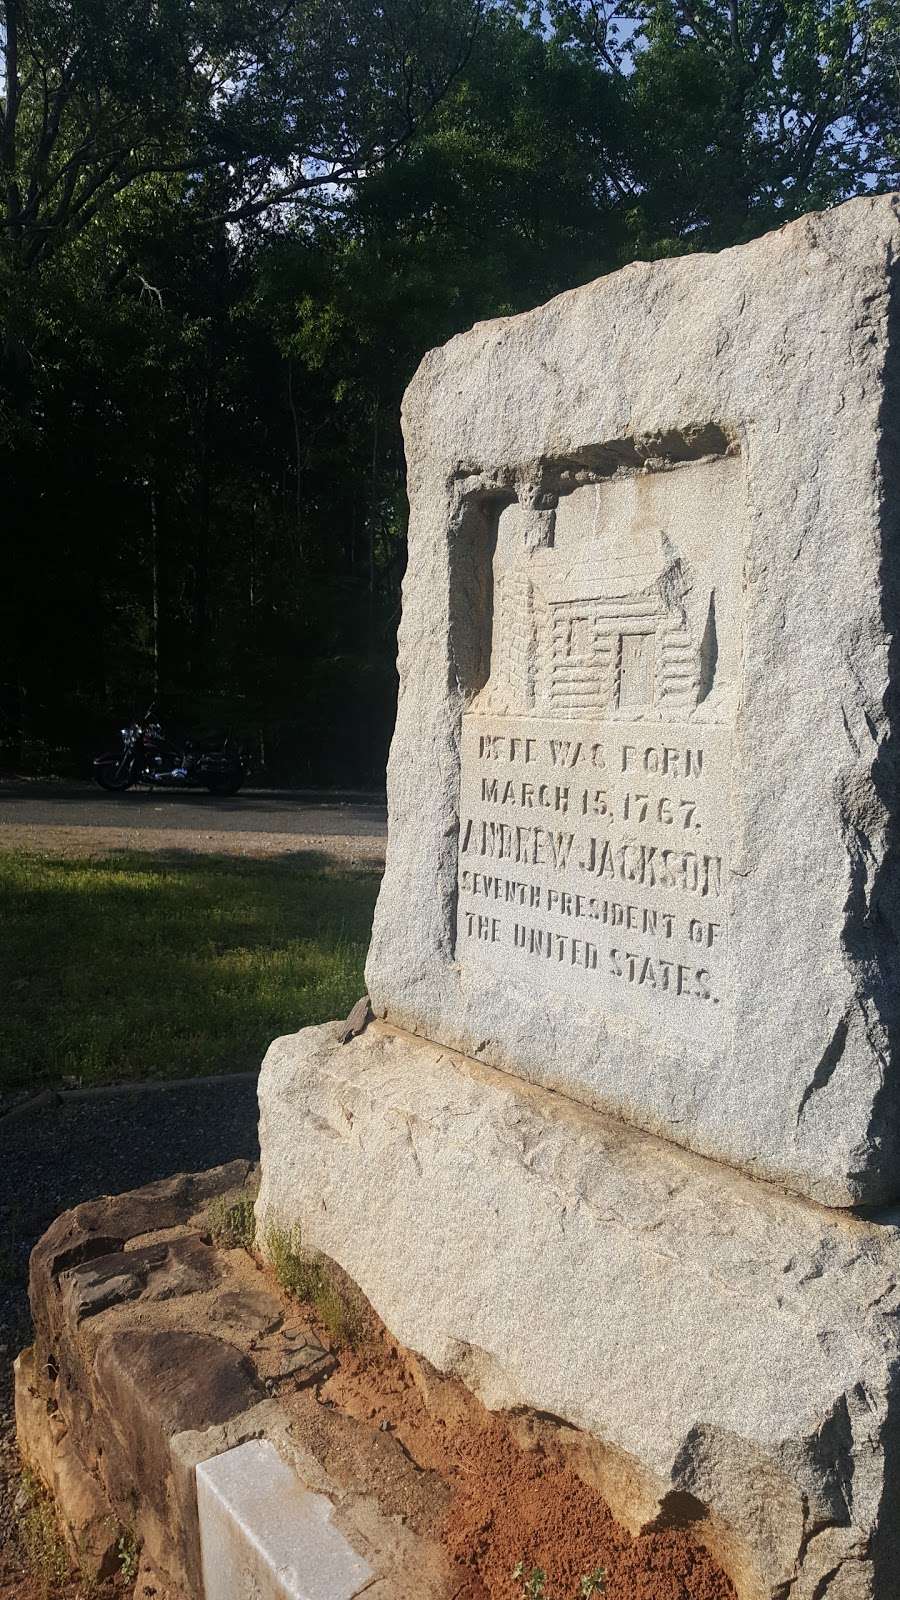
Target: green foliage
column 129, row 1552
column 312, row 1279
column 290, row 1263
column 743, row 113
column 134, row 967
column 534, row 1582
column 208, row 325
column 235, row 103
column 232, row 1223
column 593, row 1582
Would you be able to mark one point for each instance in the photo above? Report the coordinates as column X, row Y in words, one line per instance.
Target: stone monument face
column 642, row 785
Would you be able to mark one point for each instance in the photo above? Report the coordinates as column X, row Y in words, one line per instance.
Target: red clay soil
column 512, row 1504
column 508, row 1503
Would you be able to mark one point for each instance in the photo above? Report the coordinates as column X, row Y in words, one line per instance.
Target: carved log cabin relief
column 598, row 621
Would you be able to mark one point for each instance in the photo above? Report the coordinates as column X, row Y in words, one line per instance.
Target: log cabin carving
column 605, row 635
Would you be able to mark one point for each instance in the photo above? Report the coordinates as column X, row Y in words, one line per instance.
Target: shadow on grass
column 166, row 966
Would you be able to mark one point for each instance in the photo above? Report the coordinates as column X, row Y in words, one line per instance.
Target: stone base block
column 730, row 1353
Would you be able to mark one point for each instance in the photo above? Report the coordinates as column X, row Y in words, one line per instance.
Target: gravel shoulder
column 79, row 820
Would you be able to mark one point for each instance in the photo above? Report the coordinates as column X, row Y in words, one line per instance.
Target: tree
column 252, row 103
column 230, row 233
column 745, row 112
column 141, row 147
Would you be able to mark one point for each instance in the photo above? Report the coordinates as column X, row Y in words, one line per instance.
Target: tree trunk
column 298, row 459
column 371, row 525
column 154, row 568
column 201, row 570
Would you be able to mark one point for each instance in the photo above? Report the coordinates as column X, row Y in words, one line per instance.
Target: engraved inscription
column 596, row 763
column 595, row 864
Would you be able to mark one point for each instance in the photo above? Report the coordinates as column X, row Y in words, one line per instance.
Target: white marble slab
column 263, row 1536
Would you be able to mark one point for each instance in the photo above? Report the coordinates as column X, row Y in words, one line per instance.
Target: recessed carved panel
column 595, row 798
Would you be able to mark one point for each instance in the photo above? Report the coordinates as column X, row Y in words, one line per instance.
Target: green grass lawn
column 146, row 967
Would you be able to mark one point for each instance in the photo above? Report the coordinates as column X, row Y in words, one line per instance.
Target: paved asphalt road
column 253, row 811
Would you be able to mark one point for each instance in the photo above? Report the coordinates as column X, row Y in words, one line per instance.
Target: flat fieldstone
column 126, row 1358
column 91, row 1530
column 164, row 1382
column 292, row 1353
column 242, row 1313
column 103, row 1227
column 148, row 1388
column 155, row 1351
column 263, row 1536
column 152, row 1272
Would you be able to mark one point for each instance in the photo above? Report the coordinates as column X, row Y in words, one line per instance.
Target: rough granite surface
column 642, row 792
column 737, row 1349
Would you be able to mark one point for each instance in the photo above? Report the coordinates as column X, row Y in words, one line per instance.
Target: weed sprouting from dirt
column 129, row 1552
column 341, row 1317
column 41, row 1540
column 593, row 1583
column 232, row 1223
column 534, row 1582
column 311, row 1278
column 291, row 1264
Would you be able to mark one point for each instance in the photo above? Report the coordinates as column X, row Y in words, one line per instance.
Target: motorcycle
column 148, row 756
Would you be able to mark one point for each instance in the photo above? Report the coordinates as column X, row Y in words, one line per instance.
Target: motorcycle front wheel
column 112, row 775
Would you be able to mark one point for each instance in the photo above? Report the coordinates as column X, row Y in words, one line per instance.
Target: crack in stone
column 828, row 1063
column 854, row 744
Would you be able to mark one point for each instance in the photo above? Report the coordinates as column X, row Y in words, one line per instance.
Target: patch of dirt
column 18, row 1584
column 492, row 1492
column 516, row 1505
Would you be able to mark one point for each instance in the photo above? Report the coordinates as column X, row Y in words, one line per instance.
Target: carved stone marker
column 642, row 779
column 643, row 800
